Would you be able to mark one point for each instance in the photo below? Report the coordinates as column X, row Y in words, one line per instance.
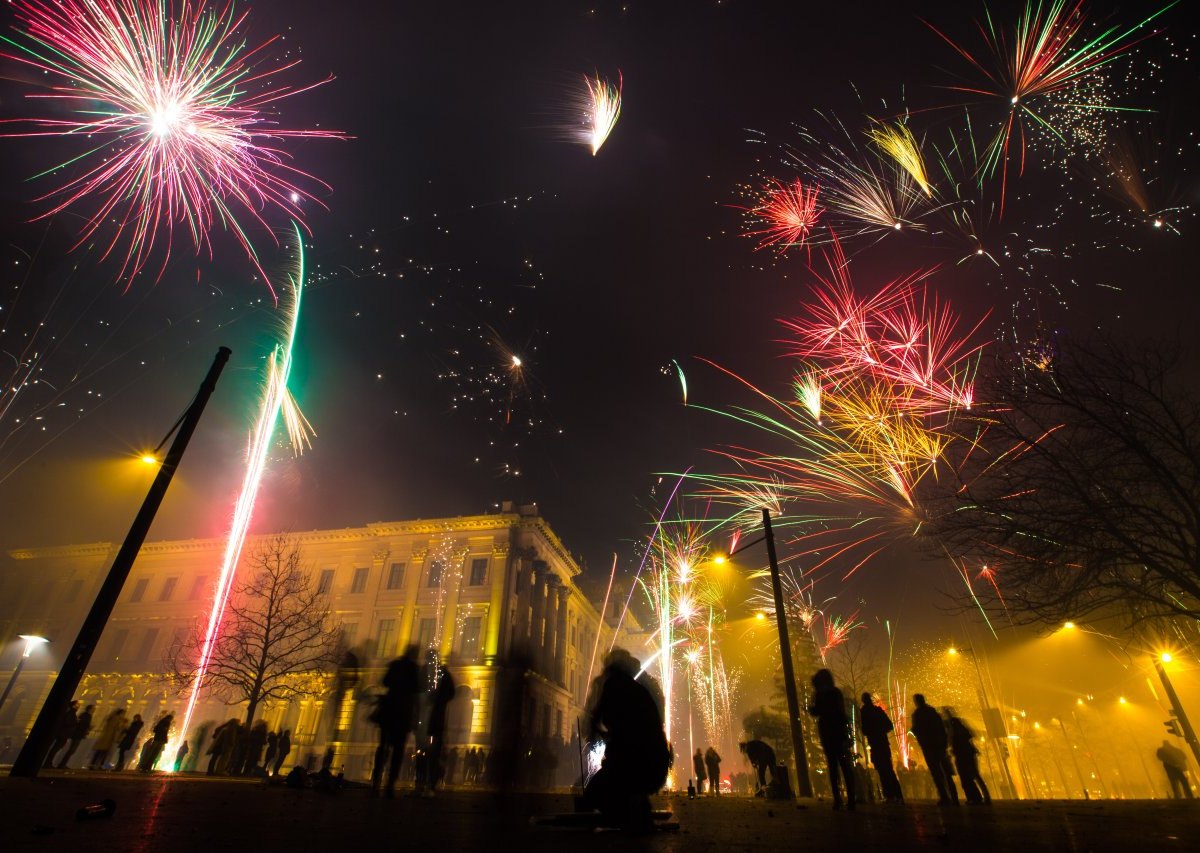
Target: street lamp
column 32, row 641
column 1176, row 707
column 785, row 653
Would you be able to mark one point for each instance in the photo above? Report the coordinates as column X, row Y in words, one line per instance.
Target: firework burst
column 785, row 215
column 897, row 142
column 175, row 116
column 601, row 102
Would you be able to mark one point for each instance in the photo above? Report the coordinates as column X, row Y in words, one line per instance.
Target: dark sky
column 458, row 217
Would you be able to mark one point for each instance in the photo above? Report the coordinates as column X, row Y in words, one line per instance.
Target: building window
column 387, row 638
column 349, row 633
column 168, row 589
column 325, row 584
column 469, row 651
column 118, row 643
column 147, row 646
column 198, row 587
column 139, row 590
column 180, row 639
column 558, row 721
column 359, row 582
column 73, row 589
column 425, row 633
column 435, row 573
column 546, row 721
column 395, row 576
column 478, row 571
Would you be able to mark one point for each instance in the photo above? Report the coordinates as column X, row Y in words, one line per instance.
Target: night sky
column 462, row 230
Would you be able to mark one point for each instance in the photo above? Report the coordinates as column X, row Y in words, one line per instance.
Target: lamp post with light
column 1185, row 724
column 984, row 709
column 803, row 783
column 32, row 641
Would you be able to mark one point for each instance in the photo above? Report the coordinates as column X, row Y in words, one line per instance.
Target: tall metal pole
column 1092, row 754
column 1177, row 708
column 33, row 753
column 803, row 783
column 1071, row 748
column 984, row 704
column 12, row 681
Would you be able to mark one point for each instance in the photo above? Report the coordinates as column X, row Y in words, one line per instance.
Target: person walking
column 712, row 762
column 113, row 725
column 761, row 757
column 62, row 731
column 443, row 695
column 255, row 742
column 1174, row 762
column 966, row 759
column 829, row 707
column 394, row 713
column 930, row 732
column 272, row 746
column 876, row 726
column 128, row 739
column 83, row 725
column 281, row 752
column 701, row 772
column 224, row 737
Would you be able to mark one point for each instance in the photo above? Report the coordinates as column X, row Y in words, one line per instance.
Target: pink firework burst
column 176, row 118
column 787, row 214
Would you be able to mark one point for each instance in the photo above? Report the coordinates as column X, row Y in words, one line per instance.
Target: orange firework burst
column 787, row 214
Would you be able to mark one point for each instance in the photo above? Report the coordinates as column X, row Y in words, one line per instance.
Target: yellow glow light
column 720, row 559
column 150, row 459
column 1123, row 700
column 1165, row 657
column 760, row 616
column 952, row 651
column 1068, row 625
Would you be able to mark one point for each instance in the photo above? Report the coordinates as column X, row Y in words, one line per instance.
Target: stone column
column 537, row 625
column 452, row 581
column 553, row 584
column 413, row 570
column 560, row 650
column 520, row 628
column 500, row 576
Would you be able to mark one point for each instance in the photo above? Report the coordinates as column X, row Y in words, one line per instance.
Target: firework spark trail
column 603, row 614
column 785, row 215
column 837, row 630
column 1046, row 52
column 279, row 370
column 179, row 117
column 602, row 108
column 897, row 142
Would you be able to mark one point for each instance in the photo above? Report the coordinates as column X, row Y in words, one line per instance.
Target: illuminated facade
column 475, row 589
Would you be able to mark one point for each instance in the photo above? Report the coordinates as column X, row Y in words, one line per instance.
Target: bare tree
column 1089, row 505
column 857, row 664
column 277, row 640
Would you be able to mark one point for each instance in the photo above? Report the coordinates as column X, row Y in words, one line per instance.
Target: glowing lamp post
column 1181, row 716
column 32, row 641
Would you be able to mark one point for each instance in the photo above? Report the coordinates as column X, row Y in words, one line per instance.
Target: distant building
column 473, row 589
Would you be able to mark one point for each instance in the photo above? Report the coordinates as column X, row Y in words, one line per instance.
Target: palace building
column 475, row 590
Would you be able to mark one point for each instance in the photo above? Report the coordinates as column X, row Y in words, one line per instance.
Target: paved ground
column 176, row 815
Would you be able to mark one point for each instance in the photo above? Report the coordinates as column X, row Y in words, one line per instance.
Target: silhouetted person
column 931, row 735
column 966, row 759
column 394, row 714
column 128, row 739
column 255, row 741
column 1174, row 762
column 224, row 738
column 712, row 762
column 829, row 707
column 272, row 746
column 158, row 742
column 876, row 726
column 181, row 754
column 83, row 725
column 281, row 751
column 443, row 695
column 761, row 757
column 701, row 772
column 113, row 725
column 62, row 731
column 625, row 715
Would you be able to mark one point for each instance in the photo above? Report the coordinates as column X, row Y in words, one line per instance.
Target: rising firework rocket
column 275, row 395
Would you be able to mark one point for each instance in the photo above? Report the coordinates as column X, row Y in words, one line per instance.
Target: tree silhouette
column 277, row 641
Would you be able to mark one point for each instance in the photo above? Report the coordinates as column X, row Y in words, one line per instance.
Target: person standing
column 443, row 695
column 712, row 762
column 224, row 737
column 158, row 742
column 876, row 726
column 272, row 745
column 966, row 759
column 114, row 723
column 128, row 739
column 829, row 707
column 930, row 732
column 83, row 725
column 701, row 772
column 281, row 752
column 394, row 715
column 1174, row 762
column 255, row 742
